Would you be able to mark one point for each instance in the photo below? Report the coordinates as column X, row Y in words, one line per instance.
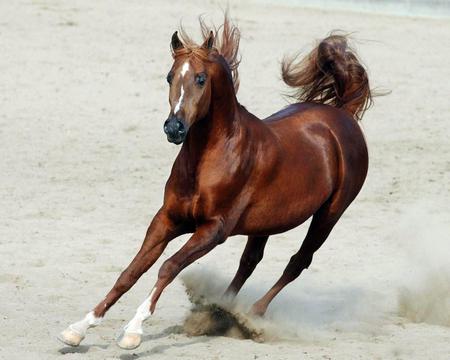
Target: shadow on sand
column 82, row 349
column 159, row 349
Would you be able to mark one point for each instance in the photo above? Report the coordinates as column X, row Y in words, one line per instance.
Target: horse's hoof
column 70, row 337
column 129, row 341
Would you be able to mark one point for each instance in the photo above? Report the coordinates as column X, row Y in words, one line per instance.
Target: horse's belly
column 279, row 212
column 258, row 224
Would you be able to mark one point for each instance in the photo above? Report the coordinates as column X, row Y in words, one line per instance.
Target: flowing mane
column 226, row 44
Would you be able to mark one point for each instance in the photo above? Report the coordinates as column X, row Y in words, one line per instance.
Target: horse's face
column 190, row 92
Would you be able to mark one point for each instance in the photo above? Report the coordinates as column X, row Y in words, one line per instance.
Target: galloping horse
column 237, row 174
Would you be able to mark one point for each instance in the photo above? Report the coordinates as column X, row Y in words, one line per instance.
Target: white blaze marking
column 183, row 72
column 184, row 69
column 90, row 320
column 178, row 105
column 142, row 314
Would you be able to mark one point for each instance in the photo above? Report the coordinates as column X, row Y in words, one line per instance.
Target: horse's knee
column 169, row 269
column 124, row 282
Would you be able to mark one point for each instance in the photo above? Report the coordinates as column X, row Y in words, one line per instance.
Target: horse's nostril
column 180, row 127
column 166, row 126
column 175, row 130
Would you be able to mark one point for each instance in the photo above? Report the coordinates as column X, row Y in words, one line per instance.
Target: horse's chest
column 212, row 189
column 211, row 196
column 196, row 206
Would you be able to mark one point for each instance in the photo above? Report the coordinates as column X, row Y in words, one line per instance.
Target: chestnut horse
column 237, row 174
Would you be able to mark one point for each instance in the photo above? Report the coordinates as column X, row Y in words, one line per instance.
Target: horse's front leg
column 160, row 232
column 206, row 237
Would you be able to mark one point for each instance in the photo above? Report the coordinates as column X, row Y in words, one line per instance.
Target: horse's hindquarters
column 320, row 150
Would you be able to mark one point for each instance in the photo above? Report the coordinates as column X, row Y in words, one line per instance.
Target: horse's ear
column 209, row 42
column 176, row 43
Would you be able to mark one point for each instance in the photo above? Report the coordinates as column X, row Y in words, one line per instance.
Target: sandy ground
column 84, row 161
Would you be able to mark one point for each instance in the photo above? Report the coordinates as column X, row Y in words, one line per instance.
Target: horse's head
column 192, row 74
column 190, row 88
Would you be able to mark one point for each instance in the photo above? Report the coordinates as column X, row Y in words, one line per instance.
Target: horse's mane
column 226, row 44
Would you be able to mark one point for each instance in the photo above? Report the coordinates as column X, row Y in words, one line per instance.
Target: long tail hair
column 330, row 74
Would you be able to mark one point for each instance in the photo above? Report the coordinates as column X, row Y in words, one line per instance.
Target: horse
column 239, row 175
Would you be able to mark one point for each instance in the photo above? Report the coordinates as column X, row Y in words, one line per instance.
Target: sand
column 84, row 161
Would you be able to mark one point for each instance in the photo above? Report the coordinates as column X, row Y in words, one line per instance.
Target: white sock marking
column 142, row 314
column 90, row 320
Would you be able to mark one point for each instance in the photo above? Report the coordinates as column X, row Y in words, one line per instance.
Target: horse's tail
column 330, row 74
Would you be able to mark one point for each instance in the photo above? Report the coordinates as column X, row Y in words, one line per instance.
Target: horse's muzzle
column 175, row 130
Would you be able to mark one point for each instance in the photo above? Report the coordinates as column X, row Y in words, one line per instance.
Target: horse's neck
column 222, row 127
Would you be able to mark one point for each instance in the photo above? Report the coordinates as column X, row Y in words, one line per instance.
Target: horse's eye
column 169, row 77
column 200, row 79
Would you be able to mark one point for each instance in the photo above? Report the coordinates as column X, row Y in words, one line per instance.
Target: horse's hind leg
column 252, row 255
column 321, row 225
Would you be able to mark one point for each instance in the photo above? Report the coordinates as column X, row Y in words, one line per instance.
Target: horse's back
column 306, row 117
column 337, row 120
